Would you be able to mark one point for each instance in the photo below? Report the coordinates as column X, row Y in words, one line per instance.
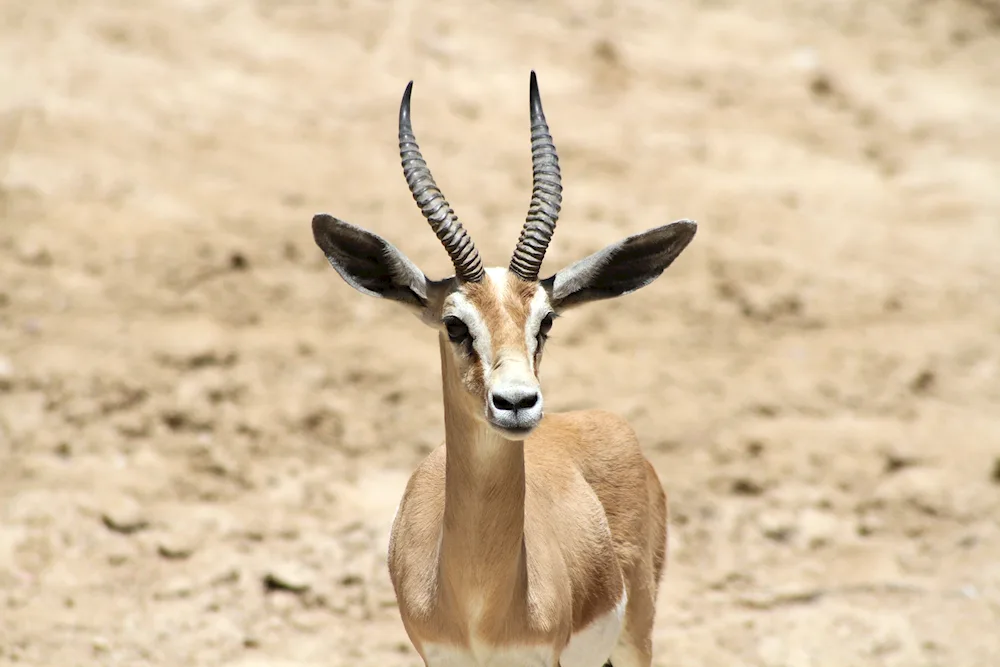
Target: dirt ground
column 204, row 432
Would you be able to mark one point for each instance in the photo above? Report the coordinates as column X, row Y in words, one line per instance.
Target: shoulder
column 426, row 484
column 421, row 505
column 599, row 444
column 587, row 427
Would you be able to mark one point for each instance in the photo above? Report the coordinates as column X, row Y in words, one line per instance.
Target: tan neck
column 482, row 545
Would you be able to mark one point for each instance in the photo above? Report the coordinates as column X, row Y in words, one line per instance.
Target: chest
column 590, row 646
column 442, row 655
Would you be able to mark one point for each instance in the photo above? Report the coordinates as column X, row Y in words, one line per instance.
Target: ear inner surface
column 620, row 268
column 369, row 263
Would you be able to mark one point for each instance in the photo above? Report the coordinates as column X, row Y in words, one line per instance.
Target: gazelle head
column 494, row 322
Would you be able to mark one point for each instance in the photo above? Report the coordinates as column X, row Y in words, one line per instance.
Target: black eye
column 544, row 328
column 457, row 331
column 546, row 325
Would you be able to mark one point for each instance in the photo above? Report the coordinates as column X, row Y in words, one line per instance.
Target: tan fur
column 513, row 543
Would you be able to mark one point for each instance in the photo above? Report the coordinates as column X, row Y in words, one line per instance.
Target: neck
column 482, row 538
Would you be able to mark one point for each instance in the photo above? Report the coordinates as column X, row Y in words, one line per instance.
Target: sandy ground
column 197, row 414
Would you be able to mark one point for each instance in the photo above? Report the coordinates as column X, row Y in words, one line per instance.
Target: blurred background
column 204, row 431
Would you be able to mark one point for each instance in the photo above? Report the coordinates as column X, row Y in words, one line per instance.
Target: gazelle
column 522, row 540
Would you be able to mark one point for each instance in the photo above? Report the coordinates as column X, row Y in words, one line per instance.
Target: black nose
column 514, row 399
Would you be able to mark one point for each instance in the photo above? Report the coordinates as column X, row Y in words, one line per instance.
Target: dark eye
column 546, row 325
column 544, row 328
column 457, row 331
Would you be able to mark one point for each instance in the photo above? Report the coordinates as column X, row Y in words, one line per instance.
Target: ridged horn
column 546, row 194
column 433, row 205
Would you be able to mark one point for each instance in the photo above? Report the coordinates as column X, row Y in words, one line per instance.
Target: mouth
column 512, row 431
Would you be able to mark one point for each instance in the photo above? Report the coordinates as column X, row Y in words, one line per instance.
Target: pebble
column 869, row 524
column 123, row 515
column 35, row 255
column 777, row 526
column 287, row 577
column 176, row 546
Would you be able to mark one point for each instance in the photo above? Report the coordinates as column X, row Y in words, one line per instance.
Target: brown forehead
column 504, row 308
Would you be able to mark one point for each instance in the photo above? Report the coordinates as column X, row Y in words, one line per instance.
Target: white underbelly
column 592, row 646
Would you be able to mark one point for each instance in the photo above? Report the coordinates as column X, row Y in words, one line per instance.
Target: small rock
column 35, row 255
column 923, row 382
column 995, row 474
column 195, row 346
column 192, row 419
column 180, row 540
column 968, row 541
column 124, row 515
column 777, row 526
column 821, row 84
column 894, row 462
column 227, row 576
column 605, row 51
column 869, row 524
column 744, row 486
column 133, row 424
column 238, row 261
column 885, row 645
column 284, row 604
column 174, row 550
column 290, row 578
column 924, row 489
column 352, row 579
column 118, row 558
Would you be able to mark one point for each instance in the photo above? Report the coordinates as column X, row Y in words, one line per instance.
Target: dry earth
column 196, row 413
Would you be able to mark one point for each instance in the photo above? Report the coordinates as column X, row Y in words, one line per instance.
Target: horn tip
column 535, row 100
column 404, row 106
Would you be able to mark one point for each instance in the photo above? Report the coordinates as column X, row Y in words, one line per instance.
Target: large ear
column 369, row 263
column 620, row 268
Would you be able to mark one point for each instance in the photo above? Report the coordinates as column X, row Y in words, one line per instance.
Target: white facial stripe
column 458, row 306
column 539, row 309
column 498, row 278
